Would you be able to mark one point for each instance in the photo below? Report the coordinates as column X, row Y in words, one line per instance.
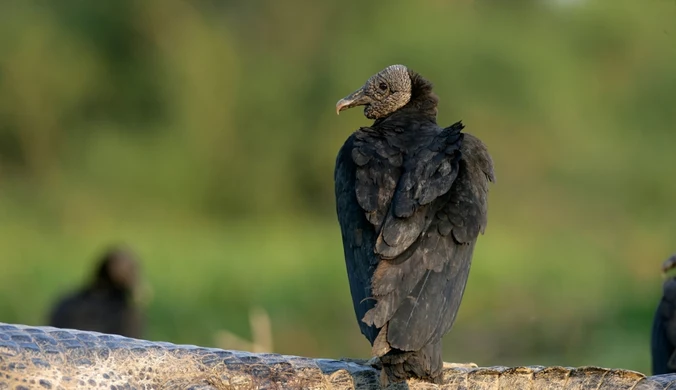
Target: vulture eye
column 383, row 86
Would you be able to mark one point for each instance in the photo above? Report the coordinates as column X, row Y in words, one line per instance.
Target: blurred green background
column 203, row 134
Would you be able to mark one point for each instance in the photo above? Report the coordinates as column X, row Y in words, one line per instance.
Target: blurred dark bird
column 663, row 338
column 411, row 199
column 108, row 302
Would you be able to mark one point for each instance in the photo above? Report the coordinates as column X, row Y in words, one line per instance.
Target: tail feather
column 426, row 364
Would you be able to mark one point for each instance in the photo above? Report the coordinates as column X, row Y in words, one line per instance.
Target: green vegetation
column 203, row 134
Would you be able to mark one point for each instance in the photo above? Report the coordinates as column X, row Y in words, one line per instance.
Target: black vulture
column 663, row 338
column 411, row 200
column 107, row 303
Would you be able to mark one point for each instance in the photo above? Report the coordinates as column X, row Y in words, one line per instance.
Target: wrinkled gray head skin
column 382, row 94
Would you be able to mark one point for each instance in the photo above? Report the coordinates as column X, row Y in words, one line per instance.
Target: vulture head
column 118, row 269
column 382, row 94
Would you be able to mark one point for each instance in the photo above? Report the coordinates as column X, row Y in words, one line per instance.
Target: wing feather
column 422, row 213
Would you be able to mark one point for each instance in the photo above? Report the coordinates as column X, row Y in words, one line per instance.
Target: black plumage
column 411, row 200
column 663, row 337
column 107, row 303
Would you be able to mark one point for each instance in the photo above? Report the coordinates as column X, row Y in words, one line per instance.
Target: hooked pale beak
column 668, row 264
column 356, row 98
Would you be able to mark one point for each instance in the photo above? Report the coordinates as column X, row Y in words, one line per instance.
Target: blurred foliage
column 203, row 134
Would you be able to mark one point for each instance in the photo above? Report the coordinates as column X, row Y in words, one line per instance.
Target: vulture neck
column 103, row 282
column 422, row 106
column 111, row 288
